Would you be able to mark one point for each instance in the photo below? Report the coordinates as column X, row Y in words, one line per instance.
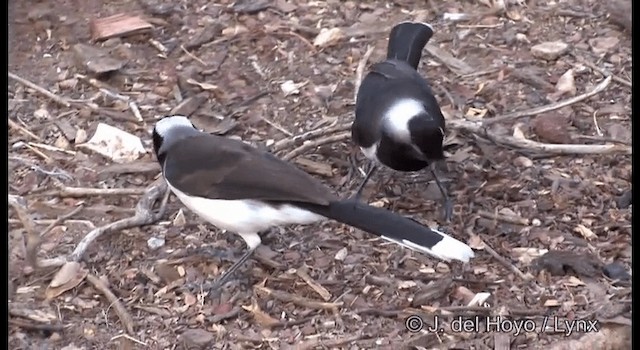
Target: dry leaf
column 115, row 144
column 475, row 242
column 291, row 88
column 464, row 294
column 526, row 255
column 551, row 302
column 235, row 30
column 179, row 220
column 573, row 281
column 260, row 316
column 479, row 299
column 406, row 284
column 341, row 254
column 67, row 272
column 203, row 86
column 603, row 45
column 328, row 37
column 476, row 113
column 585, row 231
column 566, row 84
column 68, row 277
column 189, row 299
column 518, row 133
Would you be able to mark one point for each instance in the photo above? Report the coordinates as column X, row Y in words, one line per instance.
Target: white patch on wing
column 397, row 117
column 370, row 152
column 245, row 217
column 164, row 125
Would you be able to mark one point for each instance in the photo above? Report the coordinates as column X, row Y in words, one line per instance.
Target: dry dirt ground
column 257, row 74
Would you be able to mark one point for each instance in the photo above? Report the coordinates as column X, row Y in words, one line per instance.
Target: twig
column 35, row 326
column 277, row 126
column 105, row 90
column 327, row 343
column 328, row 130
column 49, row 221
column 33, row 238
column 479, row 129
column 74, row 192
column 43, row 91
column 504, row 261
column 159, row 46
column 322, row 291
column 551, row 107
column 313, row 144
column 124, row 316
column 51, row 148
column 286, row 297
column 39, row 153
column 505, row 218
column 606, row 73
column 23, row 130
column 60, row 219
column 360, row 70
column 194, row 57
column 225, row 316
column 144, row 216
column 128, row 337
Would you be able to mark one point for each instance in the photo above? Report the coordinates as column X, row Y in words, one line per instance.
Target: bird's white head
column 165, row 125
column 168, row 131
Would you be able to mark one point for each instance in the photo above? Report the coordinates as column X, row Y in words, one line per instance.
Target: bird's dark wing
column 220, row 168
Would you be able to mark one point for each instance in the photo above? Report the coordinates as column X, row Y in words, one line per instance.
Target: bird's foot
column 447, row 207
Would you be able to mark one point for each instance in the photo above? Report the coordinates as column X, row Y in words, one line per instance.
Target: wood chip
column 117, row 26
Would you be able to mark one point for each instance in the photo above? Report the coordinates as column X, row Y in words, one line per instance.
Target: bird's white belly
column 244, row 216
column 370, row 152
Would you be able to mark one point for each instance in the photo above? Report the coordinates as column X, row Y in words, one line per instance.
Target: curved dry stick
column 551, row 107
column 121, row 311
column 328, row 130
column 360, row 71
column 144, row 216
column 316, row 143
column 479, row 129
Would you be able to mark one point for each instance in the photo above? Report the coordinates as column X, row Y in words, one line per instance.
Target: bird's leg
column 225, row 277
column 372, row 169
column 448, row 205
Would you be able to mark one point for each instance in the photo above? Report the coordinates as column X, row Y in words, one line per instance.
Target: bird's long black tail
column 406, row 41
column 395, row 228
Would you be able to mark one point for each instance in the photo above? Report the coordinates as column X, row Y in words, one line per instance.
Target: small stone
column 552, row 127
column 155, row 242
column 550, row 50
column 523, row 162
column 196, row 338
column 603, row 45
column 616, row 271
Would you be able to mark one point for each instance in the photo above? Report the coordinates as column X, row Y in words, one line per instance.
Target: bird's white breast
column 245, row 217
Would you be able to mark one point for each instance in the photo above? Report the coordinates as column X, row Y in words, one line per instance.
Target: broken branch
column 286, row 297
column 479, row 129
column 124, row 316
column 144, row 216
column 316, row 143
column 550, row 107
column 360, row 70
column 60, row 100
column 74, row 192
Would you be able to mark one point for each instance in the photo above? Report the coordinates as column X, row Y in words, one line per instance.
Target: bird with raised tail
column 241, row 189
column 398, row 122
